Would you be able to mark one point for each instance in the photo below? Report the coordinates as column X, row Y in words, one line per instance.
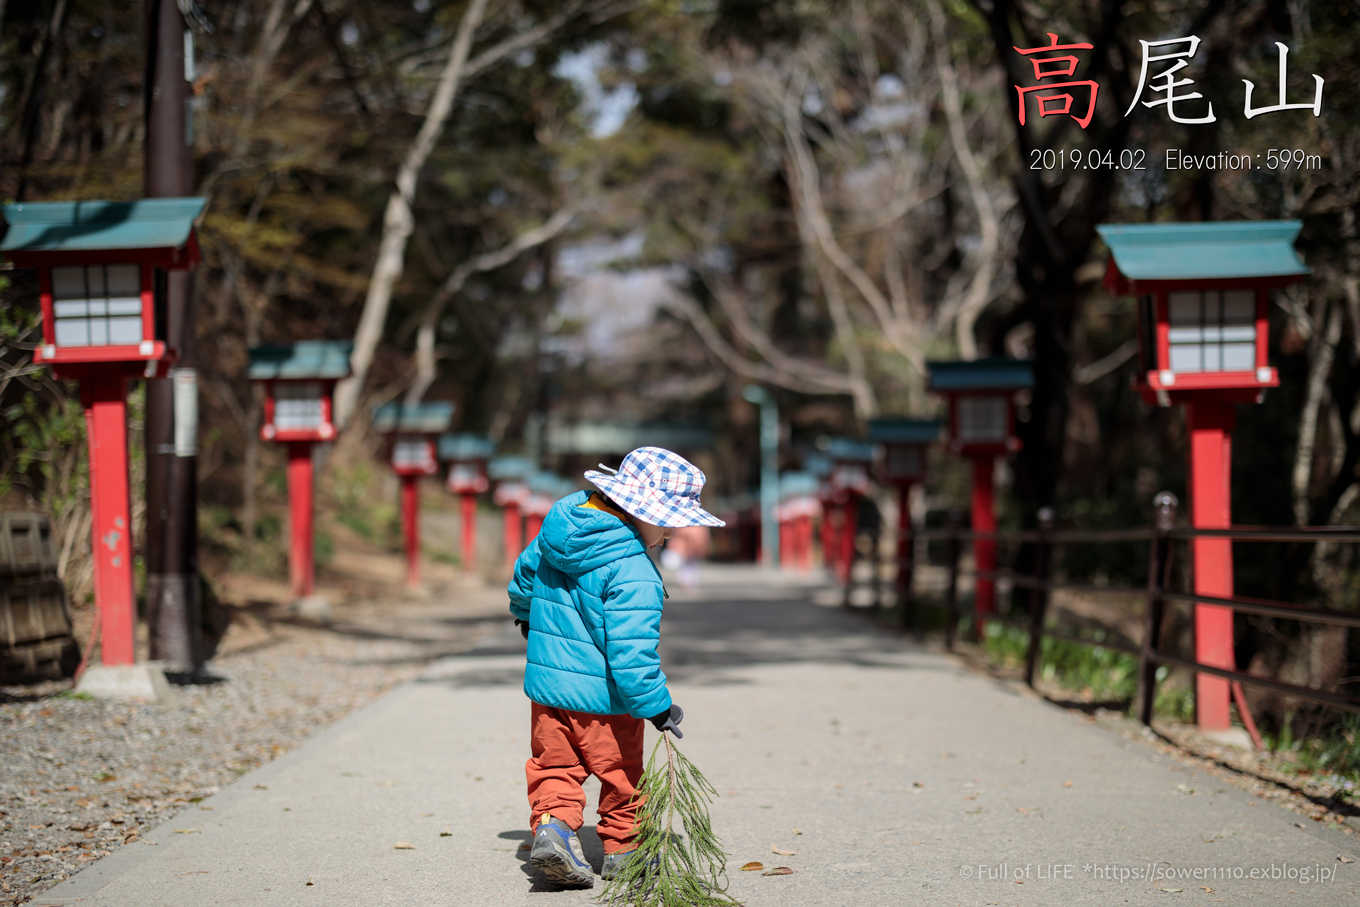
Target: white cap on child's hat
column 658, row 487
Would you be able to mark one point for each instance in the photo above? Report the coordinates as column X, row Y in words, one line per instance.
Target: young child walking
column 588, row 599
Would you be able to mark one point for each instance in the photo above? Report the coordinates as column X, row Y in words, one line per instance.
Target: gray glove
column 668, row 720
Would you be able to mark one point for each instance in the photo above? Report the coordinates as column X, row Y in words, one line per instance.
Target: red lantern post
column 467, row 456
column 412, row 431
column 798, row 505
column 902, row 464
column 299, row 381
column 1203, row 293
column 848, row 482
column 102, row 272
column 510, row 473
column 982, row 428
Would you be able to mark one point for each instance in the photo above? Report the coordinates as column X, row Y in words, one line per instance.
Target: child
column 588, row 599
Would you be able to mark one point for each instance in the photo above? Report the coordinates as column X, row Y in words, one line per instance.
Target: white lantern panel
column 298, row 406
column 413, row 453
column 983, row 418
column 98, row 305
column 1213, row 331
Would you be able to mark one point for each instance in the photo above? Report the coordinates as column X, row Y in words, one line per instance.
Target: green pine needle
column 671, row 869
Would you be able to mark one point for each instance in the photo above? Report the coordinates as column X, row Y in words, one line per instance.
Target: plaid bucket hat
column 658, row 487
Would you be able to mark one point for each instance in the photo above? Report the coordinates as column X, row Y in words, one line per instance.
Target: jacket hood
column 577, row 539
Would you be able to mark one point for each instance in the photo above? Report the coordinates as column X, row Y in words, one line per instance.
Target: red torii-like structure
column 102, row 274
column 412, row 430
column 299, row 381
column 1203, row 292
column 981, row 396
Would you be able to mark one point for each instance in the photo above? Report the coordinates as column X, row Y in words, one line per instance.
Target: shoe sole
column 559, row 868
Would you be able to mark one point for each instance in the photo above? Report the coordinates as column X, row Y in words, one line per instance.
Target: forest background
column 553, row 211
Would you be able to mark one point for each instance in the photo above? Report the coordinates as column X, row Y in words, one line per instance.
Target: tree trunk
column 398, row 221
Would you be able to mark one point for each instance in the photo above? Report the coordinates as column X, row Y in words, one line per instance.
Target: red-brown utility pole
column 172, row 583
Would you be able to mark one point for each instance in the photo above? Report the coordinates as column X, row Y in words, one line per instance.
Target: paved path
column 896, row 776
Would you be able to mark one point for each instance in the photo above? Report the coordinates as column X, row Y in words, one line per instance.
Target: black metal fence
column 1159, row 537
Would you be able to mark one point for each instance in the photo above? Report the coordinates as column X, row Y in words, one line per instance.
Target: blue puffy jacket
column 593, row 599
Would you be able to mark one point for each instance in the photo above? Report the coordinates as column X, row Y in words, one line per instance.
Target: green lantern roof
column 422, row 418
column 301, row 361
column 1205, row 251
column 904, row 431
column 465, row 446
column 89, row 226
column 848, row 450
column 797, row 484
column 510, row 467
column 996, row 374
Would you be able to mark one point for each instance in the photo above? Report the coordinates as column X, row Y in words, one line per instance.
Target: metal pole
column 769, row 471
column 1159, row 559
column 172, row 586
column 1211, row 425
column 1038, row 597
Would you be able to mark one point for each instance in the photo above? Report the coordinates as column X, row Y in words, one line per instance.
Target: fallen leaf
column 782, row 853
column 309, row 883
column 262, row 787
column 1206, row 888
column 1171, row 890
column 526, row 846
column 797, row 832
column 448, row 833
column 1344, row 859
column 753, row 866
column 403, row 845
column 778, row 871
column 1067, row 784
column 185, row 831
column 917, row 784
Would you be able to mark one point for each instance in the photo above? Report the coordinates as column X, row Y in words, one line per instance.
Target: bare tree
column 893, row 263
column 398, row 220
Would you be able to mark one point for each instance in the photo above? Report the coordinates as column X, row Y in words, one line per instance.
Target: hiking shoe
column 614, row 863
column 557, row 854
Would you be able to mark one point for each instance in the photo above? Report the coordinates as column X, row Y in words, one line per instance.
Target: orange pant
column 568, row 747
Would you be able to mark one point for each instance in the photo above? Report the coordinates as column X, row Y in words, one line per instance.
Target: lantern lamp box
column 850, row 462
column 299, row 380
column 981, row 402
column 1203, row 293
column 798, row 485
column 903, row 443
column 413, row 430
column 467, row 456
column 102, row 278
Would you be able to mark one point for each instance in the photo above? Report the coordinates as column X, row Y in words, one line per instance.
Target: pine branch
column 671, row 869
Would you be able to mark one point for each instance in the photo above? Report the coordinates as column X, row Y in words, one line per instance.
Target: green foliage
column 1093, row 670
column 670, row 869
column 323, row 548
column 1335, row 750
column 360, row 507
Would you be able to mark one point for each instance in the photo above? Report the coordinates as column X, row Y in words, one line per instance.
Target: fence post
column 1038, row 595
column 951, row 597
column 1159, row 572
